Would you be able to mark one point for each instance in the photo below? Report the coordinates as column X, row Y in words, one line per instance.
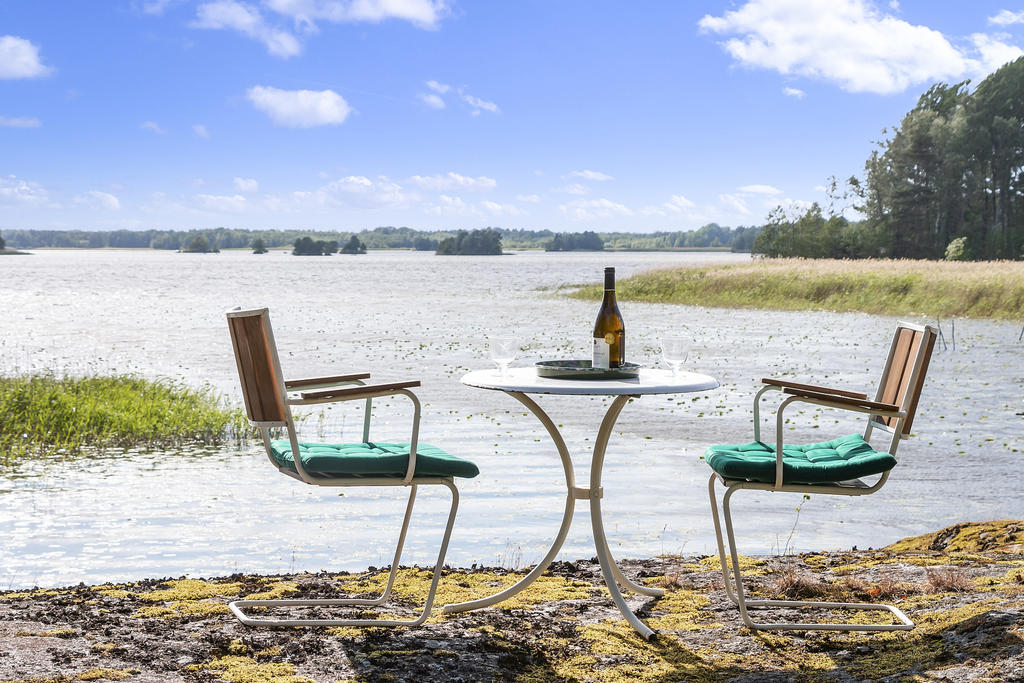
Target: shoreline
column 961, row 585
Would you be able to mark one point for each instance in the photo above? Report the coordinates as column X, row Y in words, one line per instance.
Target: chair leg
column 726, row 578
column 237, row 606
column 905, row 623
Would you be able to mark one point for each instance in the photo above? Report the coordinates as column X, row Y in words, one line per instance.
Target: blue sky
column 558, row 114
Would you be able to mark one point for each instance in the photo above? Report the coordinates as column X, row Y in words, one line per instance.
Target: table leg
column 610, row 575
column 563, row 530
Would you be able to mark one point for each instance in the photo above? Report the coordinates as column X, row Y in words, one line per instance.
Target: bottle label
column 601, row 354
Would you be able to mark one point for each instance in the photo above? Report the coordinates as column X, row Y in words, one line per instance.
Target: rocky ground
column 963, row 587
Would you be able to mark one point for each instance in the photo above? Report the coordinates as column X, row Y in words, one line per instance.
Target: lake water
column 201, row 512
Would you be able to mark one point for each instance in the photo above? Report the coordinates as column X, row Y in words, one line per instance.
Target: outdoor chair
column 827, row 468
column 268, row 400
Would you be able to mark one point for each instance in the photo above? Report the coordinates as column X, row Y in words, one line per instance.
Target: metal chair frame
column 892, row 411
column 268, row 400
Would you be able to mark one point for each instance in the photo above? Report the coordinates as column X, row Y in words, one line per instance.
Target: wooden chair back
column 258, row 367
column 905, row 370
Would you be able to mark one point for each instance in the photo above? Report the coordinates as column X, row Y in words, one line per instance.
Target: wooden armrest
column 811, row 387
column 841, row 400
column 367, row 390
column 324, row 381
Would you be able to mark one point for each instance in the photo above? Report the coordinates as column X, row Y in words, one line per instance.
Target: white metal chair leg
column 237, row 606
column 601, row 541
column 563, row 530
column 726, row 577
column 905, row 623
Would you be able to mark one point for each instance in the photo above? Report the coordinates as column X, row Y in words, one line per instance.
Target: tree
column 305, row 246
column 2, row 243
column 258, row 246
column 198, row 245
column 353, row 246
column 569, row 241
column 477, row 242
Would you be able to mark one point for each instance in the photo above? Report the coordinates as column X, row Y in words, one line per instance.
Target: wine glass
column 502, row 351
column 675, row 350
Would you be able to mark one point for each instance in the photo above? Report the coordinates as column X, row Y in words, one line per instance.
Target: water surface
column 122, row 516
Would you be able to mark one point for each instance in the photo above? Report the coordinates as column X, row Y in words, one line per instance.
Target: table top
column 650, row 381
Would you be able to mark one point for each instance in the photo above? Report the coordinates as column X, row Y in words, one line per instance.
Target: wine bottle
column 609, row 330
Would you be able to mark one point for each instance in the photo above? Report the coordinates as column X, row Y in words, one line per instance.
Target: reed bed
column 991, row 289
column 44, row 414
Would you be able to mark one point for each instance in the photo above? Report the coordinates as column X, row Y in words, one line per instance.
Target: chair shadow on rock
column 827, row 468
column 268, row 401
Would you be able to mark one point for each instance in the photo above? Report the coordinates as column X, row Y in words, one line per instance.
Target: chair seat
column 372, row 459
column 848, row 457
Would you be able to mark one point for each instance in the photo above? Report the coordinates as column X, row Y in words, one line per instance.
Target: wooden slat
column 358, row 392
column 929, row 345
column 897, row 367
column 842, row 400
column 322, row 381
column 811, row 387
column 260, row 386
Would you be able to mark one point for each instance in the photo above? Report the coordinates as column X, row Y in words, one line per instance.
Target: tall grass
column 43, row 414
column 993, row 289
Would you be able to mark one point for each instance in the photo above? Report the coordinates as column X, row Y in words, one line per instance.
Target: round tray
column 583, row 369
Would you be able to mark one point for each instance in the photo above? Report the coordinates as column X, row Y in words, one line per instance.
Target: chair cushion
column 848, row 457
column 372, row 459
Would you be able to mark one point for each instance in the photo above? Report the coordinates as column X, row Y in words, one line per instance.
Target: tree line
column 947, row 183
column 711, row 235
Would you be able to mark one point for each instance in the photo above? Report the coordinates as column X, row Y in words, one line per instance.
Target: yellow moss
column 750, row 566
column 105, row 675
column 413, row 585
column 22, row 595
column 269, row 652
column 54, row 633
column 685, row 611
column 104, row 648
column 276, row 591
column 179, row 608
column 119, row 593
column 971, row 537
column 247, row 670
column 237, row 647
column 190, row 589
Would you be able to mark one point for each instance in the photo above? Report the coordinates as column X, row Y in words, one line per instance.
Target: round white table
column 517, row 383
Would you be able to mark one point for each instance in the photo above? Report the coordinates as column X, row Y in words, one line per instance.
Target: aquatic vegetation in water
column 993, row 289
column 45, row 414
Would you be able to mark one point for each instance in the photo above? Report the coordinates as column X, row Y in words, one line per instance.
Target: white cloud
column 305, row 13
column 248, row 20
column 223, row 203
column 497, row 209
column 589, row 175
column 99, row 200
column 452, row 206
column 528, row 198
column 993, row 52
column 759, row 189
column 453, row 181
column 156, row 7
column 1006, row 17
column 16, row 191
column 574, row 188
column 432, row 100
column 438, row 87
column 848, row 42
column 794, row 92
column 20, row 59
column 152, row 126
column 675, row 205
column 200, row 130
column 247, row 185
column 478, row 104
column 360, row 192
column 300, row 108
column 590, row 209
column 735, row 203
column 19, row 122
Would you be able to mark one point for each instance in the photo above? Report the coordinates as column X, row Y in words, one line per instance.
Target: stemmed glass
column 502, row 351
column 675, row 350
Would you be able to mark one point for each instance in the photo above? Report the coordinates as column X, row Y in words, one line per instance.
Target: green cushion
column 372, row 459
column 848, row 457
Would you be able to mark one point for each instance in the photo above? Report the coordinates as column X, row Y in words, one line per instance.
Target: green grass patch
column 941, row 289
column 43, row 415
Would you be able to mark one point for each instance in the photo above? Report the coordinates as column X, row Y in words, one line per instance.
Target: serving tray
column 584, row 369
